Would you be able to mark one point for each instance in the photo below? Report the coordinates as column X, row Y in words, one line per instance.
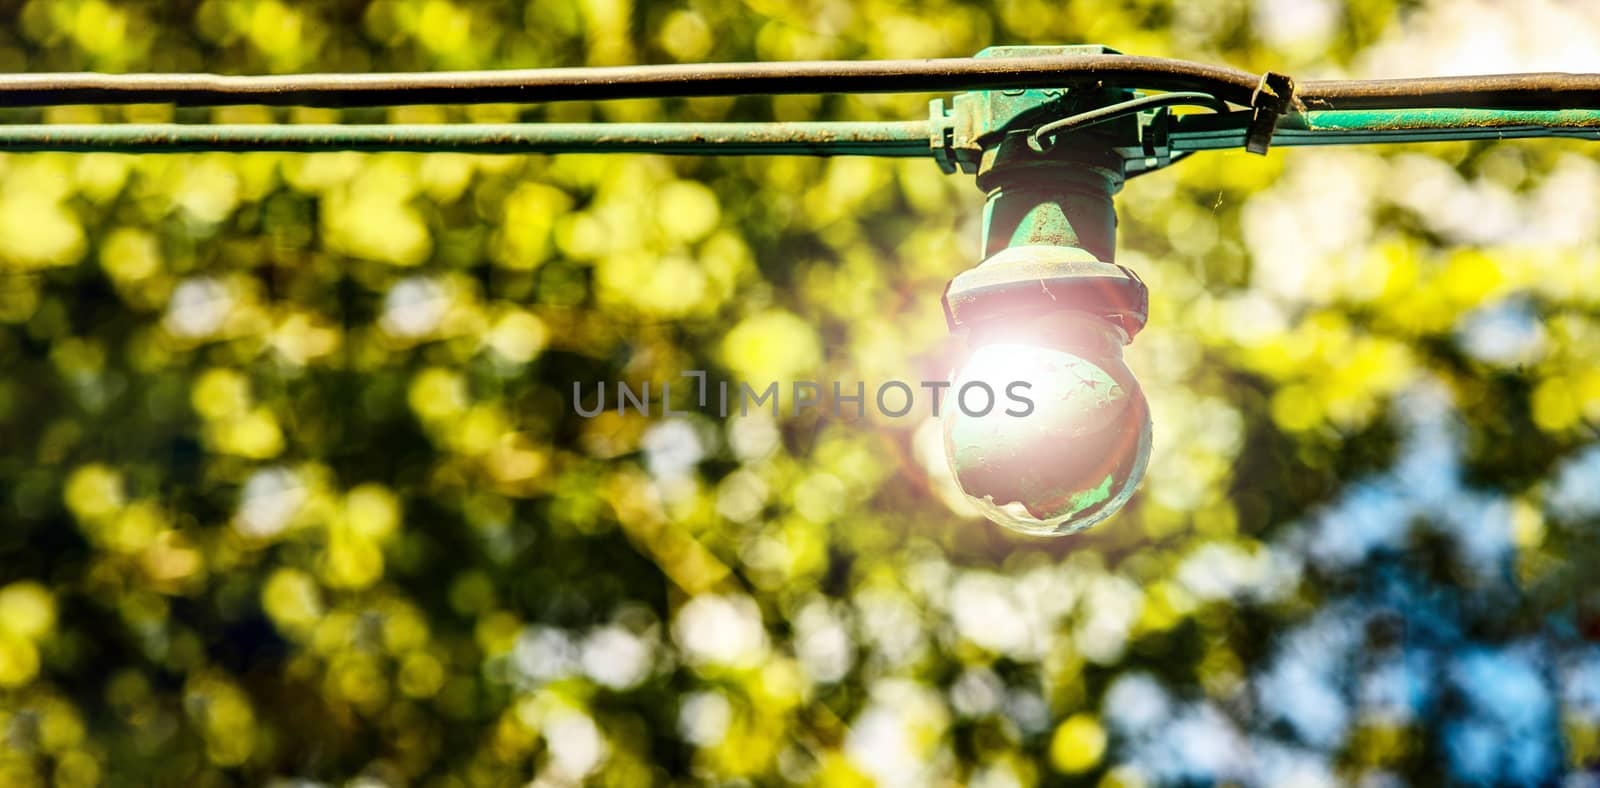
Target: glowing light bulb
column 1075, row 457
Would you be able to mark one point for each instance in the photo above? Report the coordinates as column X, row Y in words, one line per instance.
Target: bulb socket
column 1028, row 283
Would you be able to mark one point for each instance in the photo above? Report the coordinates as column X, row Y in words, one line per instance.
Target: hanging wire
column 1044, row 137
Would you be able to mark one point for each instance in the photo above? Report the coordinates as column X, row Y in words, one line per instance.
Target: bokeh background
column 292, row 490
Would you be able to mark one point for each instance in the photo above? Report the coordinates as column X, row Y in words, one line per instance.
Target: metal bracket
column 965, row 132
column 1274, row 96
column 976, row 121
column 1024, row 281
column 941, row 136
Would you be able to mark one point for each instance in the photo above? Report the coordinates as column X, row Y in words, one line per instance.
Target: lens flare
column 1068, row 437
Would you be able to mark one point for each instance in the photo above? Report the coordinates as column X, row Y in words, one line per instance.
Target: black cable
column 1176, row 157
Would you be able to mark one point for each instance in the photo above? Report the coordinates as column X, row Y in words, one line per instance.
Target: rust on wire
column 1548, row 90
column 529, row 86
column 821, row 138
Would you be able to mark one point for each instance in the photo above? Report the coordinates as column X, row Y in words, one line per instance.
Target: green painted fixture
column 1049, row 133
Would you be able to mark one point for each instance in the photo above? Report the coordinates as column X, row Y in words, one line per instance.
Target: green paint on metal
column 1361, row 127
column 1094, row 497
column 977, row 121
column 1045, row 224
column 1442, row 120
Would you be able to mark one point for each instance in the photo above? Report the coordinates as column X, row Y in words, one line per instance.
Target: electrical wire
column 903, row 139
column 1176, row 157
column 1368, row 126
column 1054, row 129
column 529, row 86
column 624, row 82
column 1547, row 90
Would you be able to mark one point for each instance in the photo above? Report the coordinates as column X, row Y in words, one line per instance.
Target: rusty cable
column 531, row 86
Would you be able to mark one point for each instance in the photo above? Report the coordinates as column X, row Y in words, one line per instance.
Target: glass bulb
column 1076, row 455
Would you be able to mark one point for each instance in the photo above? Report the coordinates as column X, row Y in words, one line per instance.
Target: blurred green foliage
column 291, row 485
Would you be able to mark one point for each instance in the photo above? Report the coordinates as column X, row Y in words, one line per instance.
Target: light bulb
column 1074, row 457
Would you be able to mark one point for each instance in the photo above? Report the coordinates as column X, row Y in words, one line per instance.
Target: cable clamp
column 941, row 136
column 1273, row 97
